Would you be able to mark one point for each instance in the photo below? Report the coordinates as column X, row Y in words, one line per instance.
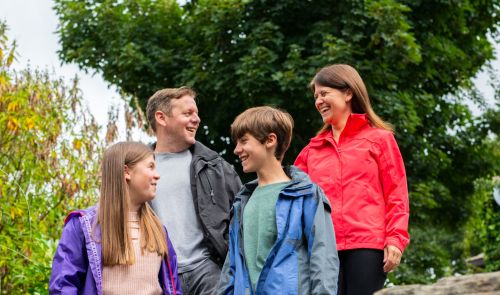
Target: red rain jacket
column 363, row 176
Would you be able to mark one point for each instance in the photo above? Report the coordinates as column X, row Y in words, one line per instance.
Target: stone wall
column 483, row 284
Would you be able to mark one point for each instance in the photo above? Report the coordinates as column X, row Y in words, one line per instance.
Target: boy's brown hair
column 262, row 121
column 161, row 101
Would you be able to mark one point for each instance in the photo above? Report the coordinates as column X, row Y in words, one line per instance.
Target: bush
column 483, row 228
column 49, row 150
column 433, row 253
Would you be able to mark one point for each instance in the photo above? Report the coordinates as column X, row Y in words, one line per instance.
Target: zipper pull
column 212, row 196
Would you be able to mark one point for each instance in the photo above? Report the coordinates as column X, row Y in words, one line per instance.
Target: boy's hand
column 392, row 258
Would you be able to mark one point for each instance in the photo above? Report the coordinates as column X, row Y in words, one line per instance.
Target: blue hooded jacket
column 304, row 258
column 77, row 263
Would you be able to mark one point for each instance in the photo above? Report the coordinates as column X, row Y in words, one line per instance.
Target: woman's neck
column 338, row 126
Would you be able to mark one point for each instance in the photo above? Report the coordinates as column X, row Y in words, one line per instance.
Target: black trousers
column 361, row 271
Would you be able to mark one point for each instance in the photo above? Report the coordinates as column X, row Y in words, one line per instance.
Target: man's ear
column 160, row 118
column 126, row 172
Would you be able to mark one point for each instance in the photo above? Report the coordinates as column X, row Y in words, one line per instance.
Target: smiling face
column 332, row 104
column 141, row 179
column 252, row 153
column 181, row 124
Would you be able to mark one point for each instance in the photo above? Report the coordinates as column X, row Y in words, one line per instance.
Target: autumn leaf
column 77, row 144
column 12, row 124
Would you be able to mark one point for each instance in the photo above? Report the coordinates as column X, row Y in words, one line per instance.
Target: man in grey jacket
column 195, row 192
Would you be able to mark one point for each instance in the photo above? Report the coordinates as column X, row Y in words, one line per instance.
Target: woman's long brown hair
column 113, row 208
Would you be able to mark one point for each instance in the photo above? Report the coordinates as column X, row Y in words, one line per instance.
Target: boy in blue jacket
column 281, row 237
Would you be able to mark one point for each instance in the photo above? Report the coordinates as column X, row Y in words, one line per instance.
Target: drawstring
column 171, row 275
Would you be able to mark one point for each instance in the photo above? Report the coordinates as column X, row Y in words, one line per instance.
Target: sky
column 32, row 23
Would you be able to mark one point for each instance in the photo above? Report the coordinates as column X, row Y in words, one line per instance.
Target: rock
column 481, row 284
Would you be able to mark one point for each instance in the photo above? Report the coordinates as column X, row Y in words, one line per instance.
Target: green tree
column 49, row 150
column 417, row 59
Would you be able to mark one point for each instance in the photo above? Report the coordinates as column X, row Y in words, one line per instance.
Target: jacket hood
column 299, row 184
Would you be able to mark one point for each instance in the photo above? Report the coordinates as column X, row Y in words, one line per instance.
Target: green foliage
column 431, row 258
column 130, row 42
column 483, row 234
column 416, row 57
column 48, row 166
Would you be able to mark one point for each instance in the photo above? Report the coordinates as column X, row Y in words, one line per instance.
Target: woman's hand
column 392, row 258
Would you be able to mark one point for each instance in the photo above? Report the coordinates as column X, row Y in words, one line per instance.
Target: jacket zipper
column 241, row 250
column 212, row 197
column 337, row 148
column 206, row 234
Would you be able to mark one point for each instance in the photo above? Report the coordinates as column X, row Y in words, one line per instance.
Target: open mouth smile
column 243, row 159
column 323, row 109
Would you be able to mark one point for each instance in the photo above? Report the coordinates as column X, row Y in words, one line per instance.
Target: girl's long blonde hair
column 344, row 77
column 113, row 209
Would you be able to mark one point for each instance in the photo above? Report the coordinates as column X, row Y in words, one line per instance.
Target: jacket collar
column 299, row 185
column 354, row 123
column 198, row 150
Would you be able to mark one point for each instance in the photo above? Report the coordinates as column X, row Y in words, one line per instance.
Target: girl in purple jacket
column 119, row 246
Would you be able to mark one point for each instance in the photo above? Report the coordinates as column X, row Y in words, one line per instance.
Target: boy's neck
column 271, row 173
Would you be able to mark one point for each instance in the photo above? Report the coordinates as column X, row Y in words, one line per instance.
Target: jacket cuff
column 396, row 243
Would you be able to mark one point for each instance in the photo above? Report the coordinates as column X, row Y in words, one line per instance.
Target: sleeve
column 322, row 247
column 70, row 264
column 394, row 185
column 301, row 161
column 172, row 265
column 225, row 285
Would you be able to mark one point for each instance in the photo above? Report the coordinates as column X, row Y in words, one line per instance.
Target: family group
column 174, row 218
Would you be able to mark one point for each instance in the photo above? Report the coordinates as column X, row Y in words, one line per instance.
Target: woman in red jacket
column 356, row 161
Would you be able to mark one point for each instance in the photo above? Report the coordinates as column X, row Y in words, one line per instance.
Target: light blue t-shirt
column 174, row 206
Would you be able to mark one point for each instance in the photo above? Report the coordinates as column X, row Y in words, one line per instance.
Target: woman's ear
column 348, row 95
column 126, row 172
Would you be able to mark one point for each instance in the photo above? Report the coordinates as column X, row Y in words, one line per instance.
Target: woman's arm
column 301, row 161
column 395, row 190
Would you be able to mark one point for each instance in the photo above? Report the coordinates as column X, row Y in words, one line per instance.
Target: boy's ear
column 126, row 172
column 271, row 140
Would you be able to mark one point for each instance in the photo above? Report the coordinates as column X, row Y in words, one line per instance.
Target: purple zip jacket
column 77, row 264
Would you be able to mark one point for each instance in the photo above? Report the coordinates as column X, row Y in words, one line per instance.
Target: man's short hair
column 262, row 121
column 161, row 101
